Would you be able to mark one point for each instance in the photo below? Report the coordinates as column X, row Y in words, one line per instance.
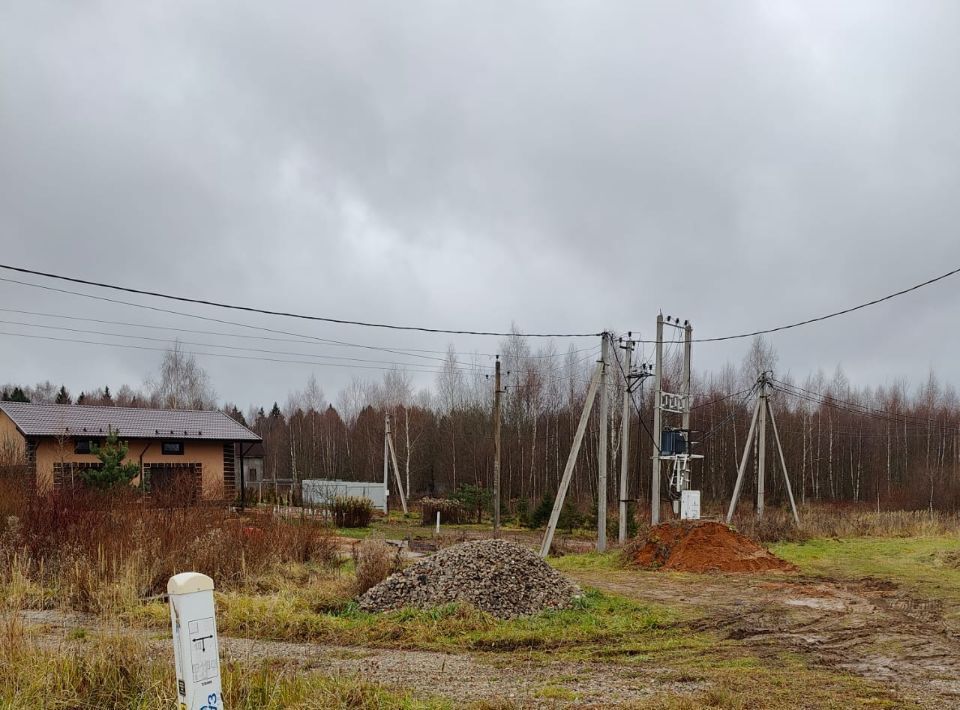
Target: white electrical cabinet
column 690, row 505
column 195, row 649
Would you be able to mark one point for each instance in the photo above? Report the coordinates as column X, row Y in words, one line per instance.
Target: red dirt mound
column 703, row 547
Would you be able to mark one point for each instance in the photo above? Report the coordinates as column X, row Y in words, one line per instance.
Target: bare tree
column 181, row 383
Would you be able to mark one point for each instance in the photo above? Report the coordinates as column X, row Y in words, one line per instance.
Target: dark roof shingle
column 77, row 420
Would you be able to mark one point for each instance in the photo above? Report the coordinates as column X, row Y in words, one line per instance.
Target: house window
column 172, row 448
column 83, row 446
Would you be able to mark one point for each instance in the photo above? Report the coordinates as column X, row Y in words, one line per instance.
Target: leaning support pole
column 743, row 462
column 396, row 472
column 571, row 462
column 783, row 464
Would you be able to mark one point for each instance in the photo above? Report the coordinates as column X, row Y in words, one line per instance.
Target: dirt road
column 869, row 627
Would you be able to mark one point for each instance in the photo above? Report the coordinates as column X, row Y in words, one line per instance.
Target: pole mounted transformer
column 672, row 444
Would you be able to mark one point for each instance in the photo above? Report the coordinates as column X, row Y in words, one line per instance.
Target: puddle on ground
column 817, row 603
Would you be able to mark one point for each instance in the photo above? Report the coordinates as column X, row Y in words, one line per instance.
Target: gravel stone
column 499, row 577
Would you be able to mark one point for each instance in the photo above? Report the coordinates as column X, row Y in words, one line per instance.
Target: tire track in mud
column 869, row 627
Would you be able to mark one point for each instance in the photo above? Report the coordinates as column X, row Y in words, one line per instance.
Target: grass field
column 928, row 567
column 293, row 636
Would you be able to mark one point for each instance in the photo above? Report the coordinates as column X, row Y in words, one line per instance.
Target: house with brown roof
column 55, row 442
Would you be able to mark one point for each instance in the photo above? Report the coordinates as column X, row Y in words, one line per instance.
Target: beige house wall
column 13, row 446
column 207, row 453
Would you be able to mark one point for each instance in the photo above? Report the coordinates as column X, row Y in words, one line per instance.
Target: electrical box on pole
column 196, row 652
column 673, row 444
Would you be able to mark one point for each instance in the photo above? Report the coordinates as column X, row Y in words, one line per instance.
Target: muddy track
column 869, row 627
column 515, row 682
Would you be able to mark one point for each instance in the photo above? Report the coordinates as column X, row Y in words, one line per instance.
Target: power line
column 830, row 400
column 466, row 368
column 870, row 414
column 412, row 352
column 725, row 397
column 817, row 319
column 208, row 354
column 716, row 427
column 285, row 314
column 626, row 380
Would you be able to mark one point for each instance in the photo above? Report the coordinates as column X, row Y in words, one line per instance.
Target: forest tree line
column 895, row 446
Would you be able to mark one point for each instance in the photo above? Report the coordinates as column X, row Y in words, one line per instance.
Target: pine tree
column 63, row 397
column 107, row 397
column 113, row 471
column 82, row 398
column 18, row 395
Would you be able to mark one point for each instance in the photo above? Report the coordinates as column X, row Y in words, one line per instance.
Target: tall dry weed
column 844, row 521
column 374, row 560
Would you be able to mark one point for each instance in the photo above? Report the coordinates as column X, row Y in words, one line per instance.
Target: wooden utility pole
column 602, row 448
column 496, row 449
column 657, row 394
column 571, row 462
column 396, row 468
column 625, row 440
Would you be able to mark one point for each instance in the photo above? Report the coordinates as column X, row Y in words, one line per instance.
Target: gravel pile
column 499, row 577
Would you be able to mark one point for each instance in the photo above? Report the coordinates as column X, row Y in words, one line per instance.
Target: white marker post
column 195, row 649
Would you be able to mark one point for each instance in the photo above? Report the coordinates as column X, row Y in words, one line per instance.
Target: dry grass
column 103, row 552
column 374, row 560
column 829, row 521
column 351, row 511
column 120, row 671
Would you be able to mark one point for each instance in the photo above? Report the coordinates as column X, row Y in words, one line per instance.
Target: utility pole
column 762, row 448
column 496, row 449
column 657, row 383
column 625, row 439
column 761, row 411
column 386, row 461
column 602, row 448
column 396, row 468
column 687, row 346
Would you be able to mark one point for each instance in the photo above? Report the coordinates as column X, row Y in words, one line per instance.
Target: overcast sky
column 570, row 166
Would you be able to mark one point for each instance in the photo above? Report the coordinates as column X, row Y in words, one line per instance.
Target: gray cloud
column 567, row 165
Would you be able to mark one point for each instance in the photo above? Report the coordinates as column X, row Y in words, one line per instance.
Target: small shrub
column 523, row 513
column 351, row 511
column 374, row 560
column 570, row 518
column 474, row 498
column 541, row 514
column 451, row 512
